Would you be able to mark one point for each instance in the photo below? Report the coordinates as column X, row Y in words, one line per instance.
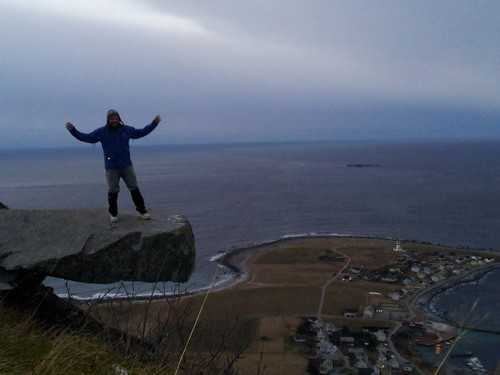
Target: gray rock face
column 81, row 245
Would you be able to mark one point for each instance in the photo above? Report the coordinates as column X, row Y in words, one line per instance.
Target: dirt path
column 327, row 284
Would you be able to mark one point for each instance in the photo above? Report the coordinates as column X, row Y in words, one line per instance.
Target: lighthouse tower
column 398, row 247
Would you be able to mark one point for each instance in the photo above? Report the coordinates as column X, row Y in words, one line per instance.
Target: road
column 325, row 287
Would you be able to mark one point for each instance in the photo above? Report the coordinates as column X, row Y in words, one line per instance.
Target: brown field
column 284, row 282
column 354, row 295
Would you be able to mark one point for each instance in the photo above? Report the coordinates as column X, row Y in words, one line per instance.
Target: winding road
column 325, row 287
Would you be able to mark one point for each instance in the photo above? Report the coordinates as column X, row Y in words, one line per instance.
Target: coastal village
column 387, row 350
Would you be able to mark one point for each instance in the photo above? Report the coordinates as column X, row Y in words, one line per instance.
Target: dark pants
column 128, row 176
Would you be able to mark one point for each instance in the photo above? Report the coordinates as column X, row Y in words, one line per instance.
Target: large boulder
column 81, row 245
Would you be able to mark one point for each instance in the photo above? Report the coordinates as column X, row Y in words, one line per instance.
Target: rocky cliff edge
column 81, row 245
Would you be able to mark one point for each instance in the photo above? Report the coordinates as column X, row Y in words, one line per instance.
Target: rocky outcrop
column 81, row 245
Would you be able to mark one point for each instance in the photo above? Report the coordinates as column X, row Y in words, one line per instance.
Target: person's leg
column 113, row 178
column 128, row 175
column 138, row 201
column 113, row 204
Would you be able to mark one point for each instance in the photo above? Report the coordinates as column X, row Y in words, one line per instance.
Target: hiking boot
column 113, row 219
column 145, row 216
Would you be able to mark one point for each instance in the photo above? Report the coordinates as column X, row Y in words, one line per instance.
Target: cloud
column 260, row 70
column 131, row 14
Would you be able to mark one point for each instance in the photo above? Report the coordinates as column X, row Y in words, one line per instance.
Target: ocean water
column 474, row 304
column 443, row 192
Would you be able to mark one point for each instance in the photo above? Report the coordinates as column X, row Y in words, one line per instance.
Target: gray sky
column 245, row 71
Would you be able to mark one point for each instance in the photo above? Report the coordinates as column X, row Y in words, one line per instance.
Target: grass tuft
column 27, row 348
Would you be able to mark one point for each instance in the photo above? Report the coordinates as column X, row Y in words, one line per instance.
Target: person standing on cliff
column 114, row 138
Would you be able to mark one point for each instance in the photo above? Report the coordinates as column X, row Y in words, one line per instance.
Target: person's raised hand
column 69, row 126
column 157, row 119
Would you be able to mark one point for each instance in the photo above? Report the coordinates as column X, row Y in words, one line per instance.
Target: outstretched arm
column 139, row 133
column 89, row 138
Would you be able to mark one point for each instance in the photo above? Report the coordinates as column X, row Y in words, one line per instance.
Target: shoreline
column 237, row 262
column 224, row 257
column 423, row 300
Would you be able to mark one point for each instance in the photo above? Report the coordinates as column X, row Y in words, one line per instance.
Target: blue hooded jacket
column 115, row 142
